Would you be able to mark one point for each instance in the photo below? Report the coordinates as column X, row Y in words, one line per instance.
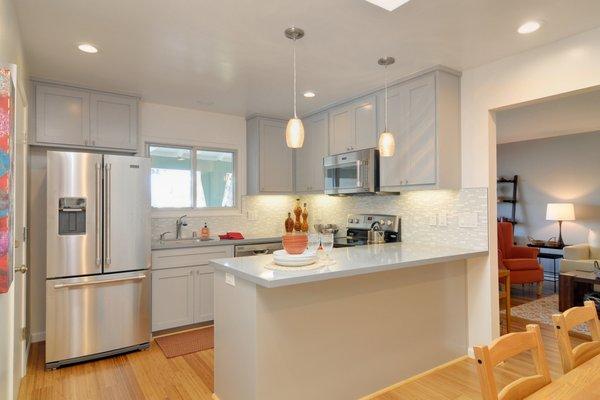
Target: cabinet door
column 341, row 134
column 62, row 115
column 113, row 121
column 172, row 297
column 309, row 158
column 365, row 123
column 276, row 169
column 421, row 130
column 394, row 169
column 203, row 296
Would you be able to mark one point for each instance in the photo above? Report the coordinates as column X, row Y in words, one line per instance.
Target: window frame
column 194, row 186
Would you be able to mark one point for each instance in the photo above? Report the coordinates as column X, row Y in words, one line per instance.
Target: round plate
column 295, row 263
column 282, row 254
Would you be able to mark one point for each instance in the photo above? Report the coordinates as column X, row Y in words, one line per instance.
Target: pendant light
column 294, row 132
column 387, row 144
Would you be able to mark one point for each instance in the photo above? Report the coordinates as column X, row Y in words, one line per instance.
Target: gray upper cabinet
column 62, row 115
column 353, row 126
column 423, row 115
column 80, row 118
column 270, row 161
column 113, row 121
column 309, row 158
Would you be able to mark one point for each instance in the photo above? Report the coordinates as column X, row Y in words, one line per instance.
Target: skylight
column 389, row 5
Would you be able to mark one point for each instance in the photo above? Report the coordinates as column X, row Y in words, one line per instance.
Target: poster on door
column 6, row 168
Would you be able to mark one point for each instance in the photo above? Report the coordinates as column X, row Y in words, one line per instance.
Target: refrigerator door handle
column 107, row 190
column 98, row 215
column 76, row 284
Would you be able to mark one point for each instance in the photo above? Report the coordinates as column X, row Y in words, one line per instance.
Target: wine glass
column 327, row 244
column 313, row 243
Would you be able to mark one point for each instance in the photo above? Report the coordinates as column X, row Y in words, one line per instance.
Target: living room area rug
column 540, row 311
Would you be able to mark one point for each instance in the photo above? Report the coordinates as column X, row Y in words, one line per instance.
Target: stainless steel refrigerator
column 97, row 256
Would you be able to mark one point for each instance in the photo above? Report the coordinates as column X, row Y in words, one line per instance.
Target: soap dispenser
column 205, row 232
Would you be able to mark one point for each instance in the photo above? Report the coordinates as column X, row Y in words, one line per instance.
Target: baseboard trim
column 38, row 337
column 412, row 378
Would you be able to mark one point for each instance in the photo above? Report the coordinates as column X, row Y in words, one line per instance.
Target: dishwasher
column 246, row 250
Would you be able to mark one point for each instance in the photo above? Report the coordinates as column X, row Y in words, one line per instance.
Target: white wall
column 554, row 170
column 11, row 52
column 567, row 65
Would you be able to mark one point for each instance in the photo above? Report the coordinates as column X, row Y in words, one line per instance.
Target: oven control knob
column 350, row 220
column 381, row 222
column 388, row 222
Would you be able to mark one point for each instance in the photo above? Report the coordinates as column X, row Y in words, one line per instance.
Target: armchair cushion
column 521, row 264
column 577, row 252
column 523, row 252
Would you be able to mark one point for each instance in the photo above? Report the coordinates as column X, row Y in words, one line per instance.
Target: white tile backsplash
column 418, row 211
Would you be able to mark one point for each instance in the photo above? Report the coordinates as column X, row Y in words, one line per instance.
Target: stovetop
column 360, row 224
column 348, row 242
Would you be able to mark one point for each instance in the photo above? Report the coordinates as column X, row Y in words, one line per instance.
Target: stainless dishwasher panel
column 91, row 315
column 256, row 249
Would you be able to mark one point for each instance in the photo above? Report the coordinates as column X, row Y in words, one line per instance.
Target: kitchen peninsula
column 379, row 314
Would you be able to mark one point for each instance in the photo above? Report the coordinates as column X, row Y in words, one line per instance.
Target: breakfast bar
column 374, row 316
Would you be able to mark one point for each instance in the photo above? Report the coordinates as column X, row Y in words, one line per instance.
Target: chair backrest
column 505, row 238
column 563, row 323
column 503, row 348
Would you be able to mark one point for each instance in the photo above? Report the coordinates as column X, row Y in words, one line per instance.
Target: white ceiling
column 231, row 56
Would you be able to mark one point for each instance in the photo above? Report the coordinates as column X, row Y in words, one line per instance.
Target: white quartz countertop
column 349, row 261
column 215, row 241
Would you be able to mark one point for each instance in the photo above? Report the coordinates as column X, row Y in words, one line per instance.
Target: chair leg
column 540, row 288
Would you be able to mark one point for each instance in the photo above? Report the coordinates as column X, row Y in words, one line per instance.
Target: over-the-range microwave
column 356, row 172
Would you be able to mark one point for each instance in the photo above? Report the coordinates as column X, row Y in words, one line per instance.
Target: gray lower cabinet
column 309, row 158
column 182, row 285
column 270, row 161
column 80, row 118
column 423, row 115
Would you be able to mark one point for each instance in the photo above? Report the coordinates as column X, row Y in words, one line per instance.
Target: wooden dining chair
column 563, row 323
column 503, row 348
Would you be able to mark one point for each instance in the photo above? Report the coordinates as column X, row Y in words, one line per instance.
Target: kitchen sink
column 187, row 240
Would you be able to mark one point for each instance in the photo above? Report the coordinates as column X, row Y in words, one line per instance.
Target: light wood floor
column 150, row 375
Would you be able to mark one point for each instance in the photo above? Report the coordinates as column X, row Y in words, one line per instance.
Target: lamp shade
column 294, row 133
column 387, row 144
column 560, row 212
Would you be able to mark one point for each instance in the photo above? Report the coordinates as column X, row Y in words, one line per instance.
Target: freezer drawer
column 96, row 314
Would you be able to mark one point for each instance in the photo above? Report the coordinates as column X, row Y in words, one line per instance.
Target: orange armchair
column 521, row 261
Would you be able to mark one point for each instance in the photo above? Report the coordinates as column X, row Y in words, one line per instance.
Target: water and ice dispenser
column 71, row 215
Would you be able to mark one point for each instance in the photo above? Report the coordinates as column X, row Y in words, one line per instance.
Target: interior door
column 21, row 335
column 126, row 213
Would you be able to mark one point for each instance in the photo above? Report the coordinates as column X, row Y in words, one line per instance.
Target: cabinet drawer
column 195, row 256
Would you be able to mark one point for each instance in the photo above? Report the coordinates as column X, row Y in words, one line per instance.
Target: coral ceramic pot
column 295, row 244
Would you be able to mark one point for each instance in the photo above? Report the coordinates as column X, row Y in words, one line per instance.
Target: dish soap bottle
column 305, row 219
column 205, row 232
column 289, row 223
column 297, row 213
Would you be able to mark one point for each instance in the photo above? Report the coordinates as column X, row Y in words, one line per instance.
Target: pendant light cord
column 386, row 97
column 294, row 51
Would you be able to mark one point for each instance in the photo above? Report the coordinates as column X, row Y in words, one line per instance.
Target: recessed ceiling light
column 309, row 94
column 389, row 5
column 529, row 27
column 88, row 48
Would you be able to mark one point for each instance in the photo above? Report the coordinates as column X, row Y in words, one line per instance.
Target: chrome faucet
column 178, row 225
column 162, row 235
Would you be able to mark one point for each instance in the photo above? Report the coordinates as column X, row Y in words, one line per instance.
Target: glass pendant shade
column 387, row 144
column 294, row 133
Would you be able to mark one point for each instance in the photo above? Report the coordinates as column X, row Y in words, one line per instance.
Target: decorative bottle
column 289, row 223
column 305, row 219
column 205, row 232
column 298, row 214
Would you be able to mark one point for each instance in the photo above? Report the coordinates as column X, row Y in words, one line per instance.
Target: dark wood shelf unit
column 511, row 200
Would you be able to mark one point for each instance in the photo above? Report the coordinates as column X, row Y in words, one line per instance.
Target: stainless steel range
column 359, row 226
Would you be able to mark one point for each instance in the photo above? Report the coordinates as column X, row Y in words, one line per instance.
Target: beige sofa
column 582, row 256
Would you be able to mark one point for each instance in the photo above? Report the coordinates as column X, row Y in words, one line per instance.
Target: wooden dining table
column 582, row 382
